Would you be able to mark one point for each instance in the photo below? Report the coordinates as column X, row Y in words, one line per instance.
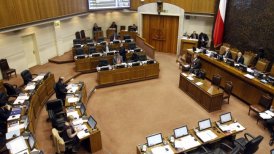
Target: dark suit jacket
column 196, row 64
column 4, row 114
column 194, row 36
column 114, row 26
column 228, row 55
column 60, row 90
column 240, row 60
column 123, row 53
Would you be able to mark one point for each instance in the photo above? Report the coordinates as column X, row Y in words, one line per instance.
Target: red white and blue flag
column 219, row 24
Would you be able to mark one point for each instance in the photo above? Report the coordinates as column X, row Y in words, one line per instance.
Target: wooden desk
column 187, row 44
column 206, row 95
column 248, row 90
column 127, row 75
column 132, row 34
column 89, row 64
column 97, row 34
column 110, row 32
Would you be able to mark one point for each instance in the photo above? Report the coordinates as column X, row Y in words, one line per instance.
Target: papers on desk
column 74, row 114
column 73, row 99
column 30, row 86
column 162, row 150
column 11, row 134
column 267, row 114
column 249, row 70
column 190, row 78
column 39, row 77
column 186, row 142
column 249, row 76
column 21, row 99
column 199, row 83
column 77, row 121
column 184, row 74
column 17, row 145
column 231, row 127
column 13, row 117
column 206, row 135
column 15, row 127
column 72, row 88
column 83, row 134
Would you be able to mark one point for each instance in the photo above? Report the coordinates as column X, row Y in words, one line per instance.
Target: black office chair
column 77, row 35
column 100, row 39
column 224, row 148
column 27, row 76
column 216, row 80
column 54, row 108
column 126, row 37
column 131, row 45
column 248, row 146
column 77, row 41
column 83, row 34
column 91, row 50
column 202, row 74
column 79, row 51
column 12, row 90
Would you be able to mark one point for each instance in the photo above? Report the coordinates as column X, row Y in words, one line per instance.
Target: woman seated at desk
column 70, row 133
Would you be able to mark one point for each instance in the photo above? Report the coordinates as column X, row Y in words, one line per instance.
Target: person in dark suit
column 227, row 54
column 95, row 28
column 239, row 59
column 133, row 28
column 270, row 124
column 5, row 111
column 194, row 35
column 60, row 89
column 195, row 64
column 123, row 52
column 113, row 25
column 259, row 55
column 203, row 40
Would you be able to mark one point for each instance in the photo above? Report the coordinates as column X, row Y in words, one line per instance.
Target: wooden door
column 161, row 32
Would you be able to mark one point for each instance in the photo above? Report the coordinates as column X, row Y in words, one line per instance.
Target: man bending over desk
column 60, row 89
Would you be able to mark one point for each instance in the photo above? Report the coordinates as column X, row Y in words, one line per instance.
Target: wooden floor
column 126, row 114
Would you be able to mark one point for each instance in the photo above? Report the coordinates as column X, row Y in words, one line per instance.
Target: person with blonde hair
column 71, row 134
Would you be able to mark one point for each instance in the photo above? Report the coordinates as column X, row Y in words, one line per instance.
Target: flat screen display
column 154, row 139
column 204, row 124
column 225, row 117
column 179, row 132
column 31, row 141
column 83, row 109
column 108, row 4
column 92, row 123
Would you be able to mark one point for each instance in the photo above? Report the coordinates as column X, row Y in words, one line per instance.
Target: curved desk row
column 34, row 101
column 249, row 90
column 127, row 75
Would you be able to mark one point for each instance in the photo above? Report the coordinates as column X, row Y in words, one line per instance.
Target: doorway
column 161, row 32
column 30, row 49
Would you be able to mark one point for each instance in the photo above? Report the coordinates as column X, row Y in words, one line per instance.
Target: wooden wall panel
column 49, row 9
column 7, row 9
column 161, row 32
column 27, row 10
column 201, row 6
column 192, row 6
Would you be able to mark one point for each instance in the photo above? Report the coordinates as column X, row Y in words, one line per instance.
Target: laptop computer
column 204, row 124
column 180, row 132
column 92, row 123
column 226, row 117
column 154, row 139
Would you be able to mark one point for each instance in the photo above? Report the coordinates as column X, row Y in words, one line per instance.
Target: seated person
column 203, row 40
column 5, row 111
column 60, row 89
column 96, row 28
column 113, row 25
column 69, row 133
column 123, row 52
column 260, row 54
column 195, row 64
column 240, row 58
column 133, row 28
column 270, row 124
column 227, row 54
column 194, row 35
column 117, row 59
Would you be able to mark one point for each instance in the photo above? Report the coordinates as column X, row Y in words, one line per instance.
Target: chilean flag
column 219, row 24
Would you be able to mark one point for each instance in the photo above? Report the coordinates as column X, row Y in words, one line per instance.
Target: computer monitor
column 96, row 55
column 31, row 141
column 116, row 41
column 92, row 123
column 90, row 44
column 137, row 50
column 150, row 62
column 82, row 109
column 26, row 123
column 103, row 43
column 154, row 139
column 243, row 67
column 127, row 40
column 110, row 53
column 180, row 132
column 120, row 66
column 80, row 56
column 126, row 37
column 204, row 124
column 226, row 117
column 230, row 61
